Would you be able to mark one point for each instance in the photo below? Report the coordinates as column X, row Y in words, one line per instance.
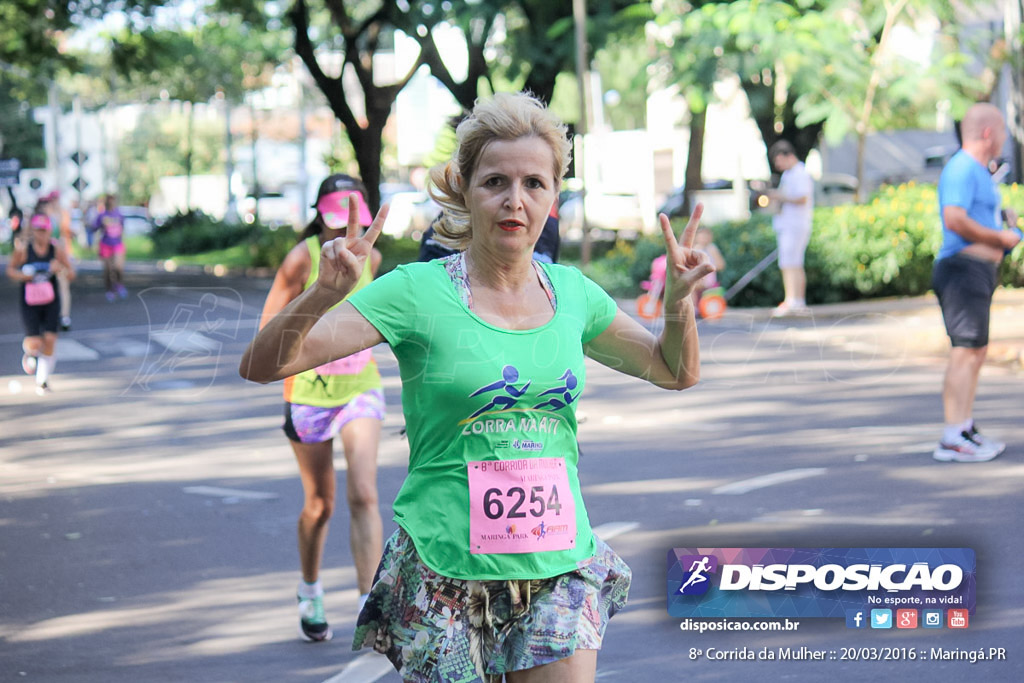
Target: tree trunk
column 695, row 157
column 189, row 142
column 862, row 143
column 366, row 140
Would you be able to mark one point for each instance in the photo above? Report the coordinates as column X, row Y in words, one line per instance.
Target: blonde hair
column 508, row 116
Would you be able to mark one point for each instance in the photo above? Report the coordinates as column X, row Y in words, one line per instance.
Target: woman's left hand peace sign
column 686, row 266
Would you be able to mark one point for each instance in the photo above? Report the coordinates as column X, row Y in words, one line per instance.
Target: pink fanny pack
column 39, row 293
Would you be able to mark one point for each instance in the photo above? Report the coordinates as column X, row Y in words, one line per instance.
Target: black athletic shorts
column 39, row 319
column 964, row 285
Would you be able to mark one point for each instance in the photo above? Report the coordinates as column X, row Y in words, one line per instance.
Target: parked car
column 674, row 205
column 275, row 209
column 137, row 220
column 833, row 189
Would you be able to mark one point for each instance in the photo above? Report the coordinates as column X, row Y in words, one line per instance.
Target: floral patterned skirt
column 436, row 629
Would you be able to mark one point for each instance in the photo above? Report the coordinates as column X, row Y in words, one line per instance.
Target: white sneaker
column 312, row 621
column 784, row 310
column 966, row 449
column 978, row 437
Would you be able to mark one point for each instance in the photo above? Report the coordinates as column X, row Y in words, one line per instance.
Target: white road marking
column 365, row 669
column 69, row 349
column 129, row 348
column 609, row 673
column 747, row 485
column 229, row 493
column 613, row 529
column 184, row 340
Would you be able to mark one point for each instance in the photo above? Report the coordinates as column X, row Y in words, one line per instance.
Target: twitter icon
column 881, row 618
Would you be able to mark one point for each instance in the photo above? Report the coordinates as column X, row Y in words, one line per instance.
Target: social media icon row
column 906, row 618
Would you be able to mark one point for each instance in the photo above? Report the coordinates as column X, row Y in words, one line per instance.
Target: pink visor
column 334, row 209
column 40, row 221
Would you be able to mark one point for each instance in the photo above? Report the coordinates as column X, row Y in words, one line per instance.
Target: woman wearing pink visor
column 343, row 397
column 36, row 262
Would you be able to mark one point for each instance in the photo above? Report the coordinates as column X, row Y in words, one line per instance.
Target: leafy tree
column 532, row 41
column 20, row 136
column 622, row 63
column 158, row 148
column 221, row 55
column 31, row 32
column 30, row 57
column 701, row 41
column 357, row 30
column 809, row 66
column 855, row 81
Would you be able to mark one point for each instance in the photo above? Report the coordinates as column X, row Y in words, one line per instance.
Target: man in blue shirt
column 966, row 273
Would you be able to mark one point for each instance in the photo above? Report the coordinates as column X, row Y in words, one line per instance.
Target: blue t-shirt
column 968, row 184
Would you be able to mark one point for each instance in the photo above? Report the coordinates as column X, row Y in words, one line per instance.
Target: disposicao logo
column 697, row 580
column 817, row 582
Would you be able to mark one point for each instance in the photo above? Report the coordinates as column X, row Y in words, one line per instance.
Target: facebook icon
column 855, row 618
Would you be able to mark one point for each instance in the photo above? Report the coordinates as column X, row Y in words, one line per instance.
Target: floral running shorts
column 440, row 630
column 313, row 424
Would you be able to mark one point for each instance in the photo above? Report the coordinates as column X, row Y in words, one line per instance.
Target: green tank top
column 475, row 393
column 340, row 381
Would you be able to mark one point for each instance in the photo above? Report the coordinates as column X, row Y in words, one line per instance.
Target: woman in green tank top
column 494, row 572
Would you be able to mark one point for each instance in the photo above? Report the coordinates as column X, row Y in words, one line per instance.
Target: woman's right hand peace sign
column 343, row 259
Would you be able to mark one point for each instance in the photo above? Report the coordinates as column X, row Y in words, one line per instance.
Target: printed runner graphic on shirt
column 507, row 394
column 506, row 408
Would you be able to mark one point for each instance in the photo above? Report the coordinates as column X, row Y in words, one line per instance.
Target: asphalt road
column 148, row 505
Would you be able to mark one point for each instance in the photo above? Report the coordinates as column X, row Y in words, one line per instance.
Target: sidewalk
column 918, row 322
column 911, row 325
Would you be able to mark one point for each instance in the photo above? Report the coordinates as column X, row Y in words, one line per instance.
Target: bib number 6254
column 520, row 506
column 495, row 501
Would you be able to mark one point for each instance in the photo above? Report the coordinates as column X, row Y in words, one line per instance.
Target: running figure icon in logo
column 696, row 582
column 509, row 376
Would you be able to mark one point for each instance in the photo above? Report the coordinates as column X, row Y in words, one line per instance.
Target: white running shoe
column 966, row 449
column 785, row 310
column 312, row 621
column 978, row 437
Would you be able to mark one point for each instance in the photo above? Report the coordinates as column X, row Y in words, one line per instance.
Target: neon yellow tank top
column 340, row 381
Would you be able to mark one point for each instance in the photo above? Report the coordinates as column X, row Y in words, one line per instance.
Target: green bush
column 194, row 232
column 396, row 251
column 268, row 246
column 1013, row 266
column 887, row 246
